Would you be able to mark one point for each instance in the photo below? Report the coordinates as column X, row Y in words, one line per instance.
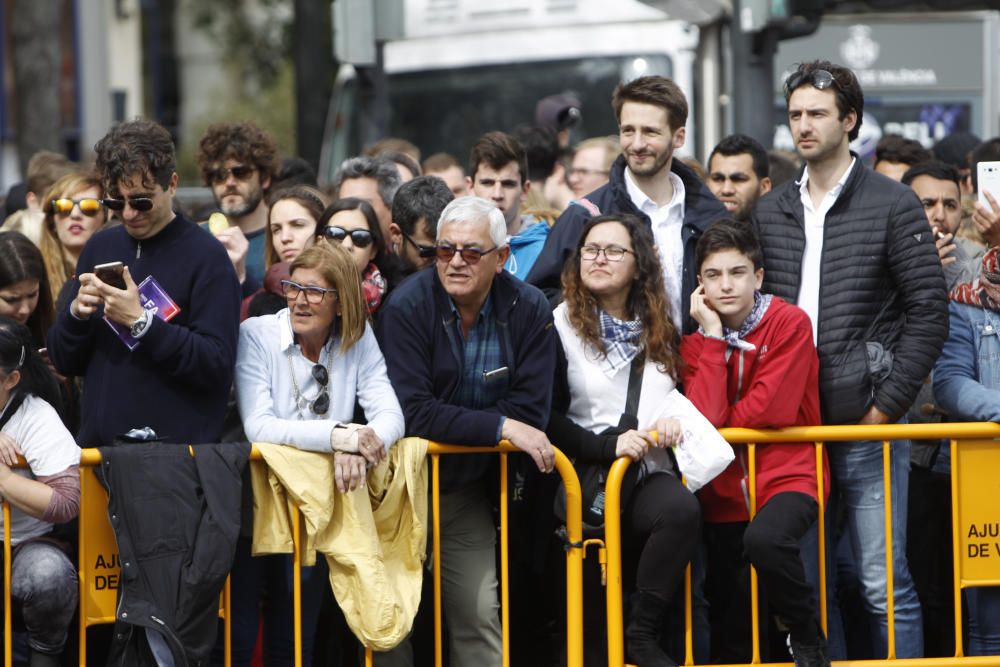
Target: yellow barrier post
column 8, row 612
column 613, row 540
column 504, row 564
column 956, row 570
column 890, row 587
column 821, row 537
column 436, row 528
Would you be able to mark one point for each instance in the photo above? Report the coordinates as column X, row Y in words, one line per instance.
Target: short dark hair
column 846, row 87
column 656, row 90
column 728, row 234
column 988, row 151
column 942, row 171
column 955, row 148
column 423, row 197
column 133, row 149
column 785, row 166
column 379, row 169
column 541, row 149
column 895, row 148
column 738, row 144
column 354, row 204
column 498, row 149
column 243, row 142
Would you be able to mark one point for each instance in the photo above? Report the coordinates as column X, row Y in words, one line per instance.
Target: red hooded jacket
column 774, row 386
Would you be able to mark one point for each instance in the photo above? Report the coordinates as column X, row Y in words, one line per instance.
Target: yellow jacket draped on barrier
column 374, row 538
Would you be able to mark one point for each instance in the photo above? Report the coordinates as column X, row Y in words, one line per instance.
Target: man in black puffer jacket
column 853, row 249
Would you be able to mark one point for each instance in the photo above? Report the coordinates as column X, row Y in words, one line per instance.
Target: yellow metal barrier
column 98, row 567
column 974, row 466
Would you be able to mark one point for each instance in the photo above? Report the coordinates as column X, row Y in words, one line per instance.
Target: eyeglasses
column 445, row 251
column 240, row 172
column 314, row 295
column 362, row 238
column 322, row 402
column 612, row 253
column 140, row 204
column 819, row 78
column 580, row 171
column 88, row 206
column 424, row 251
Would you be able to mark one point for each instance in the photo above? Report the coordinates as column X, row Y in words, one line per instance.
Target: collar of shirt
column 830, row 196
column 672, row 210
column 484, row 311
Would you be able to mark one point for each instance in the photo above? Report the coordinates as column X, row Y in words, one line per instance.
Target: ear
column 850, row 121
column 679, row 137
column 758, row 277
column 12, row 380
column 468, row 184
column 172, row 187
column 525, row 188
column 395, row 234
column 265, row 183
column 765, row 185
column 502, row 255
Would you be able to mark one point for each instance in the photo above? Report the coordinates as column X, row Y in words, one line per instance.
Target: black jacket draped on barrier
column 176, row 519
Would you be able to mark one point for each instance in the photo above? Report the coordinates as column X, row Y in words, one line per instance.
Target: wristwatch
column 140, row 324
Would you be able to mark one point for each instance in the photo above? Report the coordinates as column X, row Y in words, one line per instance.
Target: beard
column 650, row 169
column 249, row 204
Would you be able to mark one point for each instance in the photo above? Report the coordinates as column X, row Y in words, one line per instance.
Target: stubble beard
column 249, row 205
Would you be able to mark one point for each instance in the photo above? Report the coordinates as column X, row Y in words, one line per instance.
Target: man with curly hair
column 154, row 341
column 238, row 162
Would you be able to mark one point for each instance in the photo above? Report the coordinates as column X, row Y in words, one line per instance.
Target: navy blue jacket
column 178, row 379
column 416, row 329
column 701, row 209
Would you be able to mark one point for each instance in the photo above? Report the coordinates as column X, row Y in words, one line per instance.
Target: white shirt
column 812, row 256
column 265, row 394
column 48, row 448
column 667, row 222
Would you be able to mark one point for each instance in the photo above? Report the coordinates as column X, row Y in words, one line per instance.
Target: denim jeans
column 984, row 621
column 43, row 585
column 857, row 470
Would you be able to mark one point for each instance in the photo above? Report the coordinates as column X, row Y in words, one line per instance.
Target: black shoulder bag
column 593, row 474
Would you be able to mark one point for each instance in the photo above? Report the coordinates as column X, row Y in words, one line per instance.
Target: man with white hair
column 471, row 354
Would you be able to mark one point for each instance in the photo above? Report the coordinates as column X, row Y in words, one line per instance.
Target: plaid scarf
column 984, row 291
column 621, row 341
column 734, row 337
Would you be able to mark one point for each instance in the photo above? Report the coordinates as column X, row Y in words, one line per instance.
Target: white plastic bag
column 702, row 453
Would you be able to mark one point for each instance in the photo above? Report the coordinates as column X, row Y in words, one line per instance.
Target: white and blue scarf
column 621, row 342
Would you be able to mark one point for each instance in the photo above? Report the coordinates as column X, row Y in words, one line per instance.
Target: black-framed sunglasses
column 425, row 251
column 88, row 206
column 140, row 204
column 314, row 294
column 612, row 253
column 821, row 79
column 322, row 402
column 240, row 172
column 362, row 238
column 445, row 251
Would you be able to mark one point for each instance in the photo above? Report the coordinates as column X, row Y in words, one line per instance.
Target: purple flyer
column 154, row 299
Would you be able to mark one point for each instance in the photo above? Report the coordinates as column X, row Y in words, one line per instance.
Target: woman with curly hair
column 615, row 330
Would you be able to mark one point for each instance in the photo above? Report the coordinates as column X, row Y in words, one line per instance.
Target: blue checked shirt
column 480, row 354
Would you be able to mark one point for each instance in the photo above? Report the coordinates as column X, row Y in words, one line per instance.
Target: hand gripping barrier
column 975, row 460
column 98, row 558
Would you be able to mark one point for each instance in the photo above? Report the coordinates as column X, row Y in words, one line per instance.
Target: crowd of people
column 609, row 298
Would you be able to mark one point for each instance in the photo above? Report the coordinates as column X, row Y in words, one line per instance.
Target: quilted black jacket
column 881, row 282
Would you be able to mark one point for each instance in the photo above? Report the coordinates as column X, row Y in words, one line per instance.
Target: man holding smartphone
column 160, row 352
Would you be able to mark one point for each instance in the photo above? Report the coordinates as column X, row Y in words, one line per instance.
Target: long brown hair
column 647, row 300
column 21, row 260
column 58, row 267
column 309, row 198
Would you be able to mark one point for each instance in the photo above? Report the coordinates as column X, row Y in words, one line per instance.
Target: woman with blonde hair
column 73, row 213
column 299, row 374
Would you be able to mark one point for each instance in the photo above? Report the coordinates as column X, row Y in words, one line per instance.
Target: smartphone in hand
column 111, row 273
column 988, row 180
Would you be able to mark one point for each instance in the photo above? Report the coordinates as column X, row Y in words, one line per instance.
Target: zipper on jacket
column 138, row 249
column 744, row 483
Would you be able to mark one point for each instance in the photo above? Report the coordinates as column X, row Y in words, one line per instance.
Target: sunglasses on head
column 322, row 402
column 140, row 204
column 445, row 251
column 240, row 172
column 424, row 251
column 362, row 238
column 819, row 78
column 88, row 206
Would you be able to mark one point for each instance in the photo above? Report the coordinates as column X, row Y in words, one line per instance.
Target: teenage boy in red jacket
column 752, row 363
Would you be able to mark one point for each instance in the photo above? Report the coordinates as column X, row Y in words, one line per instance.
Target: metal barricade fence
column 975, row 460
column 98, row 567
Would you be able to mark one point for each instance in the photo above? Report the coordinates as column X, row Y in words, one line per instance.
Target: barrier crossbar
column 94, row 526
column 956, row 433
